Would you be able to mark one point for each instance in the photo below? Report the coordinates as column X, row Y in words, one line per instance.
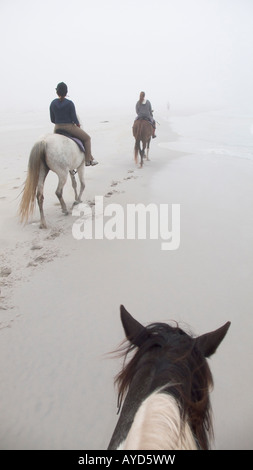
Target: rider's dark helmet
column 61, row 89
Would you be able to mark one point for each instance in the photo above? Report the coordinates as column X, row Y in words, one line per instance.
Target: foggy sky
column 178, row 51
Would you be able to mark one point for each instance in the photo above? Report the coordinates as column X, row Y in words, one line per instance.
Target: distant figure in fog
column 144, row 111
column 63, row 115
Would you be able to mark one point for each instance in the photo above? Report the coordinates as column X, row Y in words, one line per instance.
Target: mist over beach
column 180, row 52
column 59, row 295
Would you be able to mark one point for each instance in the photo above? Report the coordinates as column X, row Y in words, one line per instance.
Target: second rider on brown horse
column 144, row 111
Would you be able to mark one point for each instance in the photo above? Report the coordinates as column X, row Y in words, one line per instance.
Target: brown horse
column 142, row 131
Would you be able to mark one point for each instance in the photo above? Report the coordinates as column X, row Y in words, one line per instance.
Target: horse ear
column 209, row 342
column 134, row 331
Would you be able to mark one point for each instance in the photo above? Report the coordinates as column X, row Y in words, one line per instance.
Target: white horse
column 61, row 155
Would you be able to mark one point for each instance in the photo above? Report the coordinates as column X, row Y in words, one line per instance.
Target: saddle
column 76, row 140
column 144, row 118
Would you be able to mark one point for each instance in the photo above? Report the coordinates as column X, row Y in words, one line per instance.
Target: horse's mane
column 182, row 371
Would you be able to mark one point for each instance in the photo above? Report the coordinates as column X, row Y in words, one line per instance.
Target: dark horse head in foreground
column 165, row 388
column 142, row 131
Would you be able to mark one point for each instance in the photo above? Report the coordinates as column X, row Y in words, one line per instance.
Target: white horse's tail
column 37, row 157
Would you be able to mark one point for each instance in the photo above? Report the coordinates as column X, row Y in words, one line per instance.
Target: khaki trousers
column 77, row 132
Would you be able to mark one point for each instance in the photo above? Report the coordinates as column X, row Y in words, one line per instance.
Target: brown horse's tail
column 136, row 149
column 37, row 157
column 137, row 135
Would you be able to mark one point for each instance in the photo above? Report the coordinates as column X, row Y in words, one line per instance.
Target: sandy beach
column 60, row 297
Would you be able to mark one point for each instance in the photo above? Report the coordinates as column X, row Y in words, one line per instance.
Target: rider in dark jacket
column 63, row 115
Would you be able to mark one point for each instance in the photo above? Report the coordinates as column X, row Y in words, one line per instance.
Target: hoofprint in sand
column 60, row 297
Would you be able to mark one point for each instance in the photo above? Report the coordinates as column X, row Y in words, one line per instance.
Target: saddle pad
column 76, row 140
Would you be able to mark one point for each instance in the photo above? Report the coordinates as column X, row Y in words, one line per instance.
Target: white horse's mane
column 158, row 426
